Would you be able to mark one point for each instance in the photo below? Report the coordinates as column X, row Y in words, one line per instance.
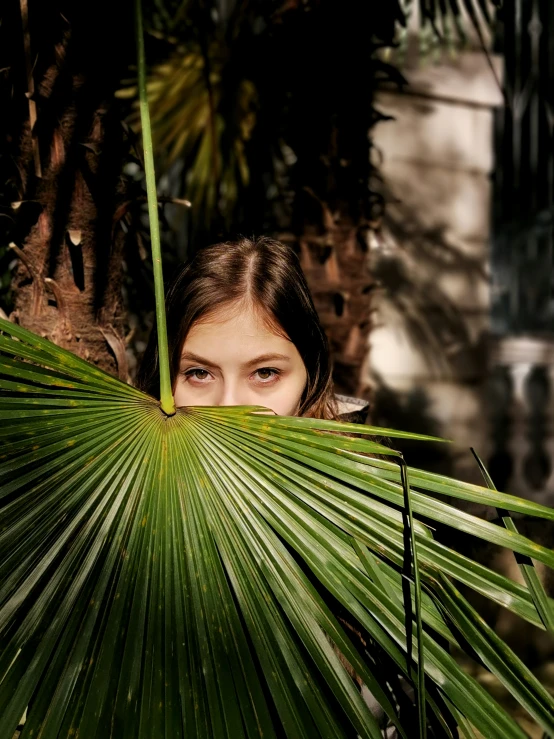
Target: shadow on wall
column 429, row 349
column 430, row 281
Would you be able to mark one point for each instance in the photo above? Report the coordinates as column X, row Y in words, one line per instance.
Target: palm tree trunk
column 336, row 267
column 67, row 283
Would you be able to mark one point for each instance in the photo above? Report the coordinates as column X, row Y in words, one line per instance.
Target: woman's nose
column 232, row 395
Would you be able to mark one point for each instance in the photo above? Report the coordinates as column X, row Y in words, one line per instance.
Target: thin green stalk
column 166, row 396
column 411, row 544
column 526, row 565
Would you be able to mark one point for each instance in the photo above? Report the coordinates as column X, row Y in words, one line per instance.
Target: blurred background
column 404, row 149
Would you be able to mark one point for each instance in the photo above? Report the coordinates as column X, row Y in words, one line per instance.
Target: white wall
column 436, row 159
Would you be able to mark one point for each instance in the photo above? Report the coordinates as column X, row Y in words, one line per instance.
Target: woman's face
column 234, row 358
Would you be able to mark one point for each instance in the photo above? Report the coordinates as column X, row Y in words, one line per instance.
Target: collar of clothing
column 352, row 410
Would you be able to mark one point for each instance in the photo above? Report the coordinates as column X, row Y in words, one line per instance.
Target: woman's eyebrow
column 190, row 357
column 266, row 358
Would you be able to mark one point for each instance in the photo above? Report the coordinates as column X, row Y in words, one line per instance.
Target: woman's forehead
column 238, row 318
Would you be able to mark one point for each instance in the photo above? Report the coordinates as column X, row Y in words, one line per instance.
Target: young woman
column 243, row 330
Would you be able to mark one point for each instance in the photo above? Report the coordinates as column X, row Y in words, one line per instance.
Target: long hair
column 268, row 274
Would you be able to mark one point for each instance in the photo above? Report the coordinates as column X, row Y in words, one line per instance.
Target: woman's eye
column 266, row 374
column 197, row 374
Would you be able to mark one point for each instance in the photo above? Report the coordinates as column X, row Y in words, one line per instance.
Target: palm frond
column 453, row 21
column 180, row 576
column 188, row 124
column 526, row 566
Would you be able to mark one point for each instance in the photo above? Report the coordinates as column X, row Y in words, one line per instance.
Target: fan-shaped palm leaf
column 173, row 576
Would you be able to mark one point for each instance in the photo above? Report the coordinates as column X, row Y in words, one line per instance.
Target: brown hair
column 268, row 274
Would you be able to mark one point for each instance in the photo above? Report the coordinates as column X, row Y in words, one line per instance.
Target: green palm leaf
column 175, row 576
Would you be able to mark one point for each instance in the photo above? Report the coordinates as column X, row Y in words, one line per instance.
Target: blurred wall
column 428, row 352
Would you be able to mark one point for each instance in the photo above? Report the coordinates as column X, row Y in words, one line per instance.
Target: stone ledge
column 522, row 350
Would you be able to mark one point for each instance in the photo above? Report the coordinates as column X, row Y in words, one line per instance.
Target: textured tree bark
column 336, row 268
column 67, row 283
column 334, row 259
